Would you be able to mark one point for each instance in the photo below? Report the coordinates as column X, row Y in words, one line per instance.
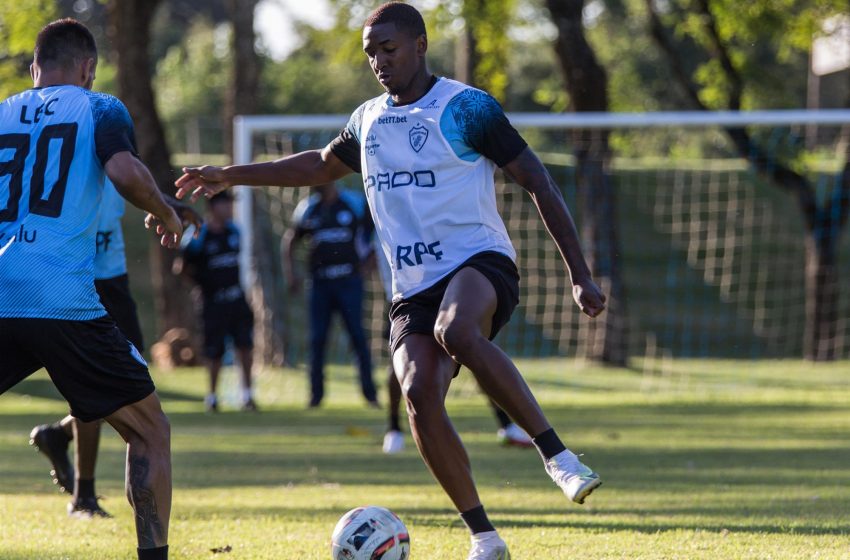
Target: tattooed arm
column 528, row 171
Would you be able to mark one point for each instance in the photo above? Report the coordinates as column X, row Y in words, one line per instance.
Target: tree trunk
column 245, row 82
column 129, row 30
column 466, row 57
column 266, row 296
column 821, row 297
column 587, row 85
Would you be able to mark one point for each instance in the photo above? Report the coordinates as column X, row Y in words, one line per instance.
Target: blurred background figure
column 338, row 228
column 212, row 261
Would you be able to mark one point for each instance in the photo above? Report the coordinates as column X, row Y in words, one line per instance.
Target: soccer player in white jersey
column 59, row 142
column 427, row 150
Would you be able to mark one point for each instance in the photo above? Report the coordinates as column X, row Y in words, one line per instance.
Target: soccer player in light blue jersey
column 113, row 288
column 58, row 144
column 427, row 150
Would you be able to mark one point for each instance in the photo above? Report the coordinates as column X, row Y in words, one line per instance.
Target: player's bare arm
column 313, row 167
column 134, row 182
column 528, row 171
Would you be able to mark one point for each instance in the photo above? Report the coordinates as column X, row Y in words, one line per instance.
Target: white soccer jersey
column 431, row 194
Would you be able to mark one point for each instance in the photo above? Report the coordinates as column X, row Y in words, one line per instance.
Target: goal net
column 709, row 256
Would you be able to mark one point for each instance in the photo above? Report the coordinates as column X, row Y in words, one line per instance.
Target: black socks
column 476, row 520
column 84, row 490
column 160, row 553
column 549, row 444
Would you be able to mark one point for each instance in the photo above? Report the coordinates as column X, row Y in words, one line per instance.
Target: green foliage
column 327, row 74
column 487, row 19
column 20, row 22
column 768, row 42
column 639, row 77
column 191, row 79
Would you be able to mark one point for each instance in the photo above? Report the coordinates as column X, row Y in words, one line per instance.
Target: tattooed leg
column 145, row 428
column 149, row 528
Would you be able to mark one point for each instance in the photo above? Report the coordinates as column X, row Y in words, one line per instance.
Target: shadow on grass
column 340, row 447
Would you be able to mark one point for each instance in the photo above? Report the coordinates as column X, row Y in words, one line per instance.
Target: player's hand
column 207, row 181
column 168, row 227
column 189, row 217
column 589, row 297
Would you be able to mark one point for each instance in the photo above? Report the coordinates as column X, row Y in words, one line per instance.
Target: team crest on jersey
column 418, row 136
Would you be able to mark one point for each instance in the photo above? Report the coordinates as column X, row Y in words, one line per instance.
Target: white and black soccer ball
column 370, row 533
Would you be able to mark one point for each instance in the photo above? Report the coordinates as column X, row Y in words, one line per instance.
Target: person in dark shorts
column 508, row 433
column 113, row 288
column 337, row 227
column 60, row 142
column 212, row 260
column 428, row 150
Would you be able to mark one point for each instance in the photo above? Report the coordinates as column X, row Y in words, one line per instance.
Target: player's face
column 394, row 56
column 222, row 210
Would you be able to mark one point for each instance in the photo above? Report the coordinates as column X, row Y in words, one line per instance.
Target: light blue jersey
column 54, row 142
column 109, row 259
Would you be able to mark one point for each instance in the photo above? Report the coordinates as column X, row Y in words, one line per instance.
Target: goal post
column 714, row 253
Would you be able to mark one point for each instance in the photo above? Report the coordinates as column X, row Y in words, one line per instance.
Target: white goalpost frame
column 244, row 126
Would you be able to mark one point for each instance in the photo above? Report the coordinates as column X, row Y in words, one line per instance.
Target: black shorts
column 92, row 363
column 115, row 296
column 233, row 319
column 418, row 313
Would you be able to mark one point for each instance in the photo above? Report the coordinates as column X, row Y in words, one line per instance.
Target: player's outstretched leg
column 86, row 442
column 465, row 315
column 145, row 428
column 52, row 440
column 426, row 372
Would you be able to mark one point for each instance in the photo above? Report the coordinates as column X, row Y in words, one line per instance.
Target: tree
column 20, row 22
column 587, row 86
column 724, row 29
column 129, row 30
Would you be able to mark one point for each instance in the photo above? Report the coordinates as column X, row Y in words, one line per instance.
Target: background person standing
column 338, row 227
column 212, row 260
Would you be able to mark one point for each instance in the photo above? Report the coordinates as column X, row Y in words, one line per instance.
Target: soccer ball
column 370, row 533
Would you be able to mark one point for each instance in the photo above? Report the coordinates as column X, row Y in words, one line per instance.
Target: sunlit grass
column 708, row 460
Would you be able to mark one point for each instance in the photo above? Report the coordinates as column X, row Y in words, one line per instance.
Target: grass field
column 720, row 460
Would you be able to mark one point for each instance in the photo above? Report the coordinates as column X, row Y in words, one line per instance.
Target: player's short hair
column 63, row 43
column 404, row 16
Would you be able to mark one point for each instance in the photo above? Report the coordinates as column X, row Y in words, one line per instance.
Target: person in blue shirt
column 59, row 142
column 113, row 288
column 337, row 225
column 212, row 260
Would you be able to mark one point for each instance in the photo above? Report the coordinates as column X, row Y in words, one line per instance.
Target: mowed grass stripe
column 722, row 459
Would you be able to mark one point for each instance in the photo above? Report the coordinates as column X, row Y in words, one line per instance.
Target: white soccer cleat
column 488, row 546
column 514, row 435
column 574, row 478
column 393, row 442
